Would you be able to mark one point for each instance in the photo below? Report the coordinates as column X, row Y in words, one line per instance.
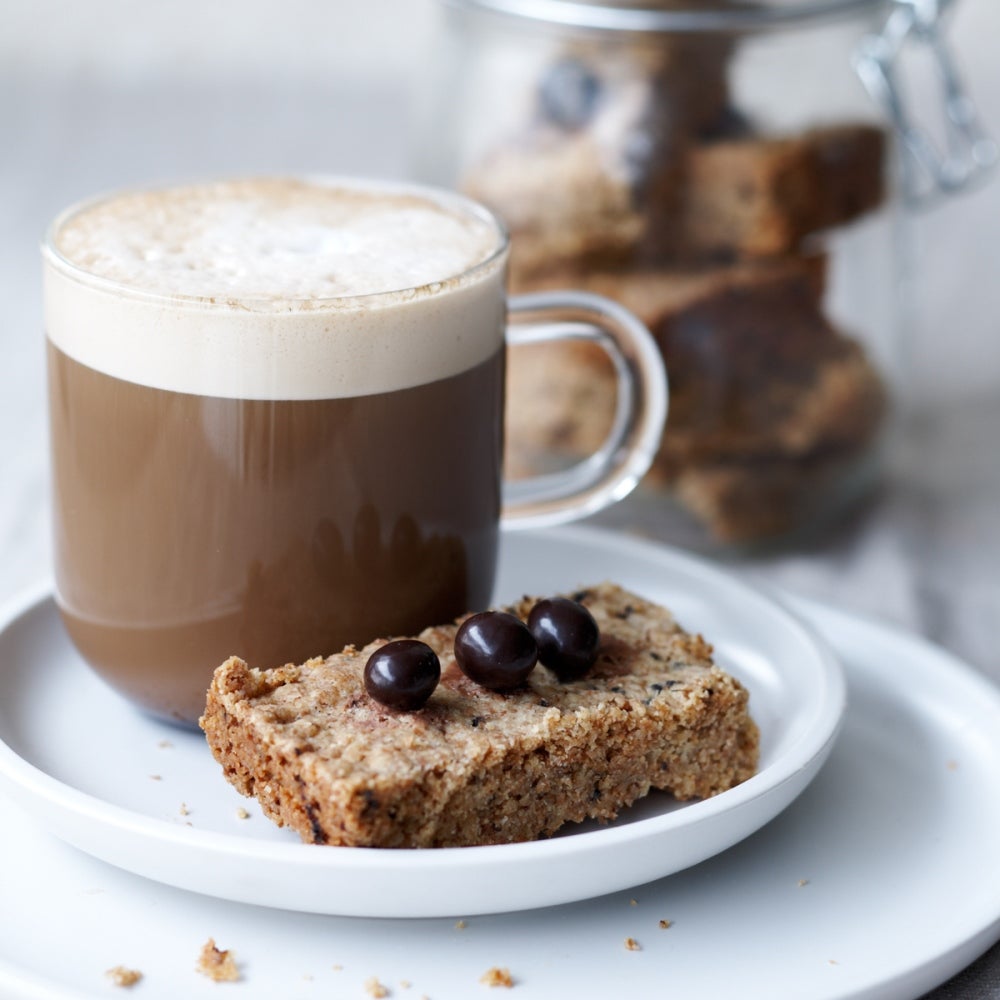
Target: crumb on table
column 217, row 964
column 460, row 925
column 632, row 945
column 374, row 988
column 497, row 977
column 664, row 924
column 121, row 976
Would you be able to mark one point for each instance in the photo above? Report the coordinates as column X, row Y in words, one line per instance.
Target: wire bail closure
column 929, row 174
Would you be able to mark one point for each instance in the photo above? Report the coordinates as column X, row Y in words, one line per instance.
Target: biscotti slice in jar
column 474, row 766
column 757, row 196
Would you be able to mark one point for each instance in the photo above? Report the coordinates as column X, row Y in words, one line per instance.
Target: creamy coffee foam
column 276, row 288
column 274, row 240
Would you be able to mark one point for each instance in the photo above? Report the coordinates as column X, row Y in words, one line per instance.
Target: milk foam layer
column 277, row 288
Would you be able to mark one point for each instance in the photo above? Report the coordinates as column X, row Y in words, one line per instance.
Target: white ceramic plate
column 878, row 883
column 98, row 774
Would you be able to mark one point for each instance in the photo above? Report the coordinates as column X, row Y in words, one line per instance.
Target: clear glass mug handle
column 613, row 471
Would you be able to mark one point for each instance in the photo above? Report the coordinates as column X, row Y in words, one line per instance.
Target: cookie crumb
column 164, row 744
column 217, row 964
column 497, row 977
column 375, row 989
column 241, row 813
column 460, row 925
column 802, row 881
column 633, row 902
column 156, row 777
column 184, row 811
column 632, row 945
column 664, row 924
column 833, row 961
column 121, row 976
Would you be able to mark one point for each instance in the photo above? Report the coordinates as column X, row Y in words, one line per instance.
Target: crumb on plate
column 217, row 964
column 121, row 976
column 497, row 977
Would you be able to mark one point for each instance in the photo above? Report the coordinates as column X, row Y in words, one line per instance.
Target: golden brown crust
column 479, row 767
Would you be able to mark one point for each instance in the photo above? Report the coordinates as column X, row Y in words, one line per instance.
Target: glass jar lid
column 672, row 15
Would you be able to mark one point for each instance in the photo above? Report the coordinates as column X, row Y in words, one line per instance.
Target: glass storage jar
column 721, row 169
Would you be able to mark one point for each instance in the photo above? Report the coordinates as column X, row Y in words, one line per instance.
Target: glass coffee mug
column 276, row 413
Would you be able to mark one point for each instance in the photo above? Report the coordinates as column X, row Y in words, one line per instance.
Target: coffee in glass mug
column 276, row 411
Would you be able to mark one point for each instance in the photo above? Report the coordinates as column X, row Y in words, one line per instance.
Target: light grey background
column 98, row 95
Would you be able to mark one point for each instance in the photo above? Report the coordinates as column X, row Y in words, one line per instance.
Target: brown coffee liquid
column 190, row 528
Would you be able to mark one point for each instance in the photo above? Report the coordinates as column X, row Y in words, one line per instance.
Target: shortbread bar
column 474, row 766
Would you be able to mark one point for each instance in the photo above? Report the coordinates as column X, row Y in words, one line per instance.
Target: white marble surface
column 924, row 554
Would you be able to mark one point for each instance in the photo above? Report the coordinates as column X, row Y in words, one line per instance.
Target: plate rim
column 970, row 937
column 833, row 697
column 816, row 742
column 978, row 928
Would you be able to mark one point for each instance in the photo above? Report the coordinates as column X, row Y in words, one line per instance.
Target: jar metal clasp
column 930, row 169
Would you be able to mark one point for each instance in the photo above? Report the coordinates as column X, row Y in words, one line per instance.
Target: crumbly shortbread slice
column 475, row 766
column 760, row 196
